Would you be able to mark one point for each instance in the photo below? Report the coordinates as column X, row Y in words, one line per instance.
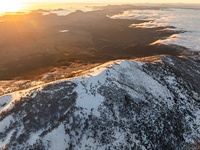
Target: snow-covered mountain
column 119, row 105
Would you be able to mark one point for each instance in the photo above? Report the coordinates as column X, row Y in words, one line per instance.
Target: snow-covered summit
column 119, row 105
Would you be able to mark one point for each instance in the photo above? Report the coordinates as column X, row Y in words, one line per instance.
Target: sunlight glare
column 10, row 6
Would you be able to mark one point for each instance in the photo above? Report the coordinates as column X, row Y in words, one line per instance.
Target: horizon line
column 104, row 3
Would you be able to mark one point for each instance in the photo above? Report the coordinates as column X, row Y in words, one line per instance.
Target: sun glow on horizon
column 10, row 6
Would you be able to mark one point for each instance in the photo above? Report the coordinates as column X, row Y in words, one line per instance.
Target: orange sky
column 110, row 1
column 17, row 5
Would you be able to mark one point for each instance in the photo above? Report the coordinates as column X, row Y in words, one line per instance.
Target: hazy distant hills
column 31, row 44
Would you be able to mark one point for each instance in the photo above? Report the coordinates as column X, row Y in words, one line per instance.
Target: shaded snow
column 4, row 101
column 7, row 139
column 56, row 139
column 6, row 122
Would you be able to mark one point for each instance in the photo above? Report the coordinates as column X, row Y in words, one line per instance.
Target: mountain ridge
column 122, row 104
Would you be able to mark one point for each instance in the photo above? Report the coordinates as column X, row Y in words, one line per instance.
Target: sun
column 10, row 6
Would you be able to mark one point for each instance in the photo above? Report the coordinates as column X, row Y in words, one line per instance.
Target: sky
column 17, row 5
column 110, row 1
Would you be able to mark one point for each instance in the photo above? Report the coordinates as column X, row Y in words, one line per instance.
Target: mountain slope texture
column 123, row 104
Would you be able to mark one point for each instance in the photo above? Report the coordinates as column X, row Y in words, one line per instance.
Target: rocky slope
column 122, row 104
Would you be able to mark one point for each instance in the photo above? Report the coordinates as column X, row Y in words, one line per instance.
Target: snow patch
column 4, row 101
column 6, row 122
column 56, row 139
column 4, row 142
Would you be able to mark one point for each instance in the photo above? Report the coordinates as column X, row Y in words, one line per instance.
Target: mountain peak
column 122, row 104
